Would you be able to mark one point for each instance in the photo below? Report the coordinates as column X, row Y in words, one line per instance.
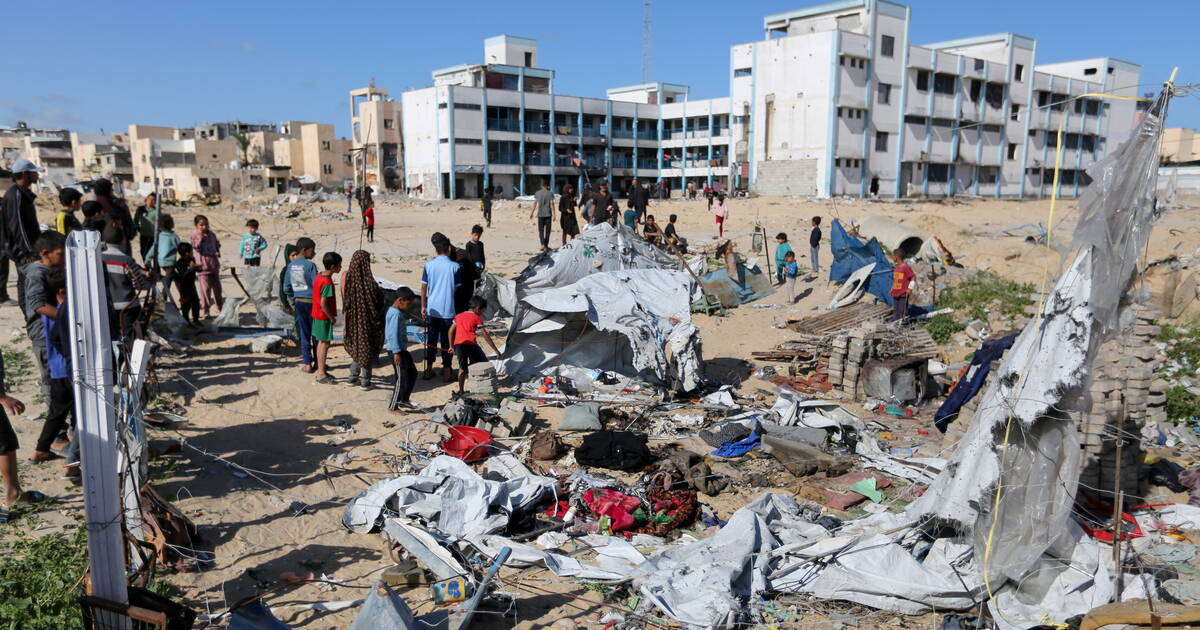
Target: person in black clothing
column 185, row 283
column 602, row 201
column 485, row 204
column 814, row 244
column 475, row 248
column 566, row 214
column 21, row 227
column 115, row 210
column 639, row 198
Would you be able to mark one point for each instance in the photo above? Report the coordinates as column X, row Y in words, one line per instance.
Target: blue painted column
column 750, row 135
column 831, row 138
column 437, row 136
column 450, row 122
column 553, row 153
column 954, row 135
column 979, row 129
column 635, row 141
column 708, row 180
column 579, row 134
column 1005, row 108
column 608, row 127
column 1029, row 110
column 902, row 126
column 521, row 126
column 929, row 122
column 487, row 164
column 1047, row 166
column 868, row 86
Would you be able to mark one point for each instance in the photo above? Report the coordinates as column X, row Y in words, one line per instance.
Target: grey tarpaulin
column 600, row 249
column 636, row 323
column 259, row 283
column 449, row 496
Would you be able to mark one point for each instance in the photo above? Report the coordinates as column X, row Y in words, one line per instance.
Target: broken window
column 995, row 95
column 741, row 72
column 887, row 45
column 976, row 89
column 388, row 123
column 1019, row 73
column 938, row 173
column 528, row 60
column 978, row 65
column 943, row 83
column 326, row 145
column 1012, row 150
column 922, row 80
column 1089, row 143
column 884, row 93
column 1089, row 71
column 881, row 141
column 1072, row 141
column 1015, row 110
column 1092, row 107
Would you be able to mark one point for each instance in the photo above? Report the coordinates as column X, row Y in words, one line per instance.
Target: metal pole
column 92, row 376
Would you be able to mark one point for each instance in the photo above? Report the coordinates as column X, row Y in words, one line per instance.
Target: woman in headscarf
column 364, row 317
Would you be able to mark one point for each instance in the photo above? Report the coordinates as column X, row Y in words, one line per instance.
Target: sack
column 546, row 445
column 581, row 417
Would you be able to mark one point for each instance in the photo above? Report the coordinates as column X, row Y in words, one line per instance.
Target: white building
column 835, row 100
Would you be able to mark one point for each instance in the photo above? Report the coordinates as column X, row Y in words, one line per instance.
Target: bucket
column 467, row 443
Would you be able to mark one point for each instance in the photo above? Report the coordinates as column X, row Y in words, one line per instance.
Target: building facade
column 1179, row 146
column 102, row 155
column 835, row 100
column 375, row 138
column 313, row 152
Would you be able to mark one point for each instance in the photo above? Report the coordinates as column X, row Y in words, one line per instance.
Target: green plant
column 1182, row 405
column 17, row 366
column 39, row 578
column 942, row 327
column 987, row 290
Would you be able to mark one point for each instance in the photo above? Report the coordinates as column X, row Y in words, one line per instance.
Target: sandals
column 325, row 380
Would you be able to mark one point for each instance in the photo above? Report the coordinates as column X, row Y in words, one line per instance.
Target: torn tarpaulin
column 449, row 496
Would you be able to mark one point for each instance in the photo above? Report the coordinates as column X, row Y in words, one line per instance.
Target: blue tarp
column 850, row 254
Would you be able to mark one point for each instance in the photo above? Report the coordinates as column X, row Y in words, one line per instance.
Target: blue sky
column 104, row 66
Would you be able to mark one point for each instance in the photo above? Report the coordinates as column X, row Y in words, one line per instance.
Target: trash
column 467, row 443
column 449, row 591
column 404, row 573
column 581, row 417
column 615, row 450
column 866, row 487
column 741, row 447
column 546, row 446
column 552, row 540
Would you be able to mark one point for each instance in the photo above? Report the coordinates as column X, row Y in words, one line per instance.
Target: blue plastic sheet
column 743, row 446
column 851, row 254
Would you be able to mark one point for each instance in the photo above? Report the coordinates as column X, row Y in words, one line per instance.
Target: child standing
column 61, row 396
column 185, row 270
column 252, row 245
column 464, row 332
column 814, row 244
column 475, row 248
column 65, row 220
column 324, row 311
column 167, row 251
column 630, row 219
column 790, row 271
column 782, row 249
column 298, row 280
column 124, row 280
column 395, row 339
column 39, row 296
column 207, row 251
column 721, row 213
column 902, row 277
column 369, row 221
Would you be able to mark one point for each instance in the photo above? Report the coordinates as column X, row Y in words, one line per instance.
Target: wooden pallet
column 843, row 318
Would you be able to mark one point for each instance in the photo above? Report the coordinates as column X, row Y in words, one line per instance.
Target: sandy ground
column 261, row 412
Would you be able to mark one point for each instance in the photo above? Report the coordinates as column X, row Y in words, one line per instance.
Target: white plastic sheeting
column 635, row 323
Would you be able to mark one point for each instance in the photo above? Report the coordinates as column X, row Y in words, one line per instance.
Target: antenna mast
column 646, row 57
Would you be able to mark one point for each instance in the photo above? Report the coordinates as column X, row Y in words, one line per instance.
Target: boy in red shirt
column 902, row 277
column 324, row 311
column 369, row 221
column 463, row 333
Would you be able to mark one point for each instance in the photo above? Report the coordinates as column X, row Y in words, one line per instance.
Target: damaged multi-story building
column 835, row 100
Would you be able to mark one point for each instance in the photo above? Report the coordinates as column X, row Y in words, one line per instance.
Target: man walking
column 639, row 198
column 20, row 226
column 543, row 205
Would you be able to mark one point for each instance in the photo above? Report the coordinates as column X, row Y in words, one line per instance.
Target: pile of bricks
column 850, row 351
column 1125, row 394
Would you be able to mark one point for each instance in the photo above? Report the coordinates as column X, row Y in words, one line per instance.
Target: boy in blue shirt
column 395, row 340
column 781, row 251
column 252, row 244
column 439, row 280
column 297, row 286
column 790, row 271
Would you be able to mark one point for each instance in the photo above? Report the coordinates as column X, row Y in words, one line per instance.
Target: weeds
column 1182, row 405
column 988, row 291
column 942, row 327
column 1183, row 359
column 17, row 366
column 39, row 578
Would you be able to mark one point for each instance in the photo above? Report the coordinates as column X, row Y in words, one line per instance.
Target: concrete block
column 263, row 344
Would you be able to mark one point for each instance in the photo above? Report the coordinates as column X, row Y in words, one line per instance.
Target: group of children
column 451, row 315
column 787, row 270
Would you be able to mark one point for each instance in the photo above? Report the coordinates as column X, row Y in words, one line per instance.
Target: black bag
column 615, row 450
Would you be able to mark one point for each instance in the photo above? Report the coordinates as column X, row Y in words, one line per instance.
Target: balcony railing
column 647, row 163
column 622, row 133
column 593, row 130
column 537, row 126
column 504, row 157
column 503, row 124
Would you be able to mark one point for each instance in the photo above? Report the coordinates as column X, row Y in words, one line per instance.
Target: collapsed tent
column 851, row 254
column 635, row 323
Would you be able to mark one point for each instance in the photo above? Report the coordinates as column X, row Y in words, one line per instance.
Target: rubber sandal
column 5, row 516
column 30, row 497
column 325, row 380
